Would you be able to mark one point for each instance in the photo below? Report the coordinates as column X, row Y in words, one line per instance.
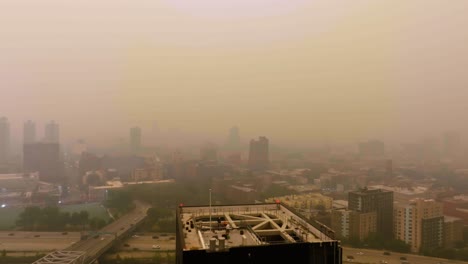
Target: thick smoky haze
column 295, row 71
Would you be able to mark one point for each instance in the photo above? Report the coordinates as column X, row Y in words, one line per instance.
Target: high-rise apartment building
column 52, row 133
column 4, row 139
column 29, row 132
column 453, row 231
column 379, row 201
column 420, row 224
column 135, row 139
column 259, row 154
column 352, row 224
column 44, row 158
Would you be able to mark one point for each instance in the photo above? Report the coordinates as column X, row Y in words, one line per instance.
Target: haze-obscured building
column 4, row 140
column 453, row 231
column 135, row 139
column 379, row 201
column 233, row 140
column 456, row 206
column 259, row 154
column 45, row 159
column 89, row 162
column 17, row 188
column 308, row 201
column 52, row 133
column 29, row 132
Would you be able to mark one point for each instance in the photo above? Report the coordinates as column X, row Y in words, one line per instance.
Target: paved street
column 36, row 241
column 377, row 257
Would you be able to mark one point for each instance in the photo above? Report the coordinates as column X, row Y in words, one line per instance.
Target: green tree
column 30, row 218
column 83, row 217
column 75, row 218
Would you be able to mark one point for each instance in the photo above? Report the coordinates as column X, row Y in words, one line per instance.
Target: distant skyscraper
column 43, row 158
column 52, row 133
column 4, row 139
column 135, row 139
column 259, row 154
column 29, row 132
column 379, row 201
column 233, row 141
column 372, row 148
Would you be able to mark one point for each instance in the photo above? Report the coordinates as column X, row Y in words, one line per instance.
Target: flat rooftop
column 244, row 225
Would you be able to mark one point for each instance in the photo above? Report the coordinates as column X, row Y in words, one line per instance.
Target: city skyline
column 233, row 131
column 324, row 71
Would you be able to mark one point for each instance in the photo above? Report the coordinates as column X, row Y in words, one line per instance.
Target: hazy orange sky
column 295, row 71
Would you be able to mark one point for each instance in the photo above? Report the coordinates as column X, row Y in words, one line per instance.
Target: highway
column 377, row 256
column 94, row 246
column 17, row 241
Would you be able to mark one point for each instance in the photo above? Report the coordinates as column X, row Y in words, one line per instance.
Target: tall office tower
column 209, row 152
column 29, row 132
column 233, row 140
column 135, row 139
column 4, row 139
column 452, row 144
column 259, row 154
column 420, row 224
column 44, row 158
column 372, row 148
column 52, row 133
column 379, row 201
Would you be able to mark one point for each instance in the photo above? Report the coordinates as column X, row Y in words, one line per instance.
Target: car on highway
column 359, row 253
column 156, row 247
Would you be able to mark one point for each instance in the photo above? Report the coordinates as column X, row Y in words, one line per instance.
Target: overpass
column 89, row 249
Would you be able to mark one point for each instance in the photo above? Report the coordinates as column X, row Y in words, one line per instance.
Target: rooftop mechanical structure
column 63, row 257
column 255, row 233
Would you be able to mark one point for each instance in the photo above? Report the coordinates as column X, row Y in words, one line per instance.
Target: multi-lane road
column 378, row 257
column 14, row 241
column 95, row 245
column 99, row 242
